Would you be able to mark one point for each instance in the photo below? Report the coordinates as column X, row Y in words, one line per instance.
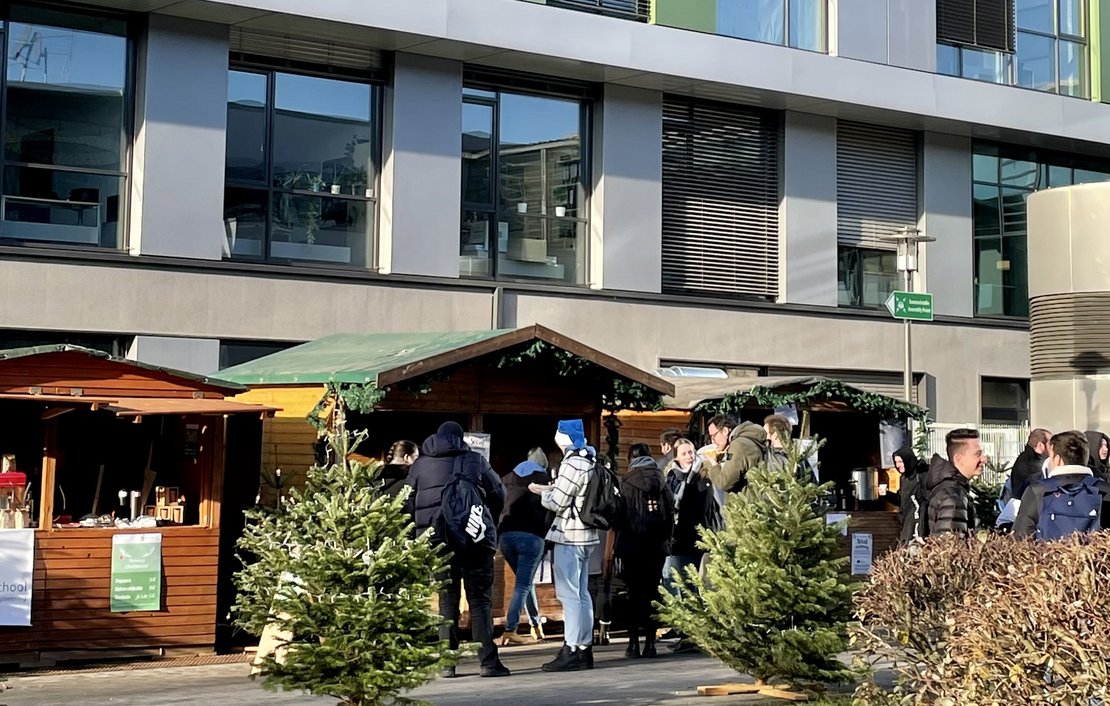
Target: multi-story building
column 676, row 182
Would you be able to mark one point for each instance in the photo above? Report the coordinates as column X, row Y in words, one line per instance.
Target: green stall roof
column 389, row 358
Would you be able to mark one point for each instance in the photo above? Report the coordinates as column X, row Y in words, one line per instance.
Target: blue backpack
column 1066, row 509
column 466, row 521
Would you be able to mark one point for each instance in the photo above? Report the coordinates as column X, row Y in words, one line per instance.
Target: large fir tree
column 336, row 568
column 776, row 598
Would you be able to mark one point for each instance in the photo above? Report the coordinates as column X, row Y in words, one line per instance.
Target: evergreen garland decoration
column 859, row 400
column 361, row 398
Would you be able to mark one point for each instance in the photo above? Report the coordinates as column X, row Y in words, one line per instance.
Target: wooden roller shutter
column 720, row 198
column 876, row 184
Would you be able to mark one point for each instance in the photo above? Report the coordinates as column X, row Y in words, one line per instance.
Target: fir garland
column 870, row 402
column 361, row 398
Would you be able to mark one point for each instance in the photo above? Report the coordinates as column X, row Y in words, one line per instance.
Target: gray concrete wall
column 177, row 184
column 421, row 183
column 193, row 355
column 626, row 217
column 946, row 191
column 807, row 216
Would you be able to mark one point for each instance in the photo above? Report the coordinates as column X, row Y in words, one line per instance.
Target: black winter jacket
column 393, row 478
column 435, row 468
column 950, row 506
column 524, row 510
column 696, row 508
column 912, row 505
column 1029, row 513
column 1027, row 468
column 644, row 483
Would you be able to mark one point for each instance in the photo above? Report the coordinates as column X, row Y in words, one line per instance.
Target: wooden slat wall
column 61, row 373
column 70, row 604
column 645, row 428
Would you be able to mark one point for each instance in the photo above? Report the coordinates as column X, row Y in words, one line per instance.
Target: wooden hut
column 512, row 385
column 82, row 428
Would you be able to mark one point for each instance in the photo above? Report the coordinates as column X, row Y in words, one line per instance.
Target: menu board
column 136, row 572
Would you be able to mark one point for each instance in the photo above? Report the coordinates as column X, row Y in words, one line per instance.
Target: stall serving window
column 67, row 98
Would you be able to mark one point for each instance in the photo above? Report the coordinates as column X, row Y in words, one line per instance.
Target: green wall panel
column 1100, row 50
column 700, row 15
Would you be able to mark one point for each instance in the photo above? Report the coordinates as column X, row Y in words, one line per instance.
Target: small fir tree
column 336, row 568
column 776, row 600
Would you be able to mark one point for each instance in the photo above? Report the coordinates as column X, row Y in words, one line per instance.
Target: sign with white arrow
column 916, row 306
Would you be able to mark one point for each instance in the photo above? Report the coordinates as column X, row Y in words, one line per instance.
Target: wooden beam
column 729, row 689
column 49, row 468
column 218, row 431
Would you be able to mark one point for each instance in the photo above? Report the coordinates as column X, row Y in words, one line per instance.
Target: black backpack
column 602, row 504
column 466, row 521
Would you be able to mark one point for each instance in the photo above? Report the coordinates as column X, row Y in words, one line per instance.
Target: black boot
column 633, row 649
column 649, row 644
column 568, row 660
column 587, row 656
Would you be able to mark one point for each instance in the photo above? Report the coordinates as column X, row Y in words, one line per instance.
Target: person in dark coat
column 913, row 474
column 948, row 483
column 1099, row 450
column 398, row 461
column 1067, row 453
column 642, row 544
column 695, row 508
column 523, row 526
column 1030, row 462
column 428, row 477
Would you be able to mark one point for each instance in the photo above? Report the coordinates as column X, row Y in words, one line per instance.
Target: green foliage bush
column 990, row 621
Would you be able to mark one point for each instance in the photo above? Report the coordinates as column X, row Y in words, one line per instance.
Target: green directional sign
column 916, row 306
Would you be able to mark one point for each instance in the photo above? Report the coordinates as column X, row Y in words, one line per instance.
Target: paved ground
column 668, row 680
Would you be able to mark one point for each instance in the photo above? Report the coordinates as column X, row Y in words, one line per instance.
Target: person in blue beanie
column 574, row 543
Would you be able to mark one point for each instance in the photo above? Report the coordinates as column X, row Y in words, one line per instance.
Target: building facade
column 675, row 182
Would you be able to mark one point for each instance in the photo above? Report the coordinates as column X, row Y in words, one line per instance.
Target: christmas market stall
column 507, row 388
column 121, row 498
column 860, row 430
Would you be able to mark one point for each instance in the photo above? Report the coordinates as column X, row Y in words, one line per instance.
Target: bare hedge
column 990, row 621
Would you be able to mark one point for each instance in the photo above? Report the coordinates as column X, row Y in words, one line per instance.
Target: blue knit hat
column 574, row 429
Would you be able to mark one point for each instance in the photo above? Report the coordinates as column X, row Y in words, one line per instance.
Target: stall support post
column 49, row 466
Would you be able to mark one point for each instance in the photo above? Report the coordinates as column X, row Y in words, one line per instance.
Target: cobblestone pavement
column 668, row 680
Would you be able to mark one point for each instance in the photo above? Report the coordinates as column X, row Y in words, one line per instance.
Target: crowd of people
column 1058, row 485
column 540, row 507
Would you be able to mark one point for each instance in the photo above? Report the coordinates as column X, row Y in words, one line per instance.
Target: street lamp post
column 908, row 240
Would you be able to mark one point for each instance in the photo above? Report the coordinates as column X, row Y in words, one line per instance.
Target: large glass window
column 66, row 106
column 795, row 23
column 1004, row 401
column 1052, row 50
column 1003, row 180
column 523, row 186
column 865, row 278
column 301, row 174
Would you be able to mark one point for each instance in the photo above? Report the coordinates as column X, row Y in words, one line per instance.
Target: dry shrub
column 991, row 621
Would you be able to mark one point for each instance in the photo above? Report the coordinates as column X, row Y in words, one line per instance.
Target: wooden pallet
column 760, row 688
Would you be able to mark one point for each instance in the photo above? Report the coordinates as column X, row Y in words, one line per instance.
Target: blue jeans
column 572, row 588
column 680, row 562
column 523, row 552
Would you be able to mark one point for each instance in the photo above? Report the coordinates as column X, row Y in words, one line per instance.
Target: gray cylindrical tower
column 1069, row 307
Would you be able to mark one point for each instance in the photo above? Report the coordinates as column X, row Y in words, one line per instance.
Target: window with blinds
column 988, row 24
column 876, row 184
column 720, row 198
column 247, row 45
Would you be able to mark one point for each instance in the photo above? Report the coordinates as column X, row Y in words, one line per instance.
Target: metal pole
column 907, row 382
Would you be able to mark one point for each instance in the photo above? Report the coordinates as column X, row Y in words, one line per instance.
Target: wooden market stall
column 513, row 385
column 84, row 432
column 860, row 430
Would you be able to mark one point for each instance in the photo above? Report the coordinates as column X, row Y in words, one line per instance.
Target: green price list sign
column 136, row 572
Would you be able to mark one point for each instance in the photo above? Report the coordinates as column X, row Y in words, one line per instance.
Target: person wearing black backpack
column 448, row 470
column 574, row 542
column 643, row 539
column 1071, row 499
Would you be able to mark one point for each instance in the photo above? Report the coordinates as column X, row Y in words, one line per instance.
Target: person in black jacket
column 1030, row 462
column 642, row 541
column 1067, row 453
column 432, row 472
column 1099, row 454
column 695, row 508
column 949, row 482
column 523, row 526
column 911, row 500
column 398, row 461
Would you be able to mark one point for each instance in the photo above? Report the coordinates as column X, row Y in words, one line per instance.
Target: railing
column 636, row 10
column 1002, row 443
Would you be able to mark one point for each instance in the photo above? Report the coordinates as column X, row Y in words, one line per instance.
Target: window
column 1052, row 46
column 796, row 23
column 1005, row 401
column 720, row 199
column 67, row 102
column 1003, row 180
column 301, row 178
column 865, row 278
column 523, row 186
column 234, row 353
column 979, row 64
column 984, row 24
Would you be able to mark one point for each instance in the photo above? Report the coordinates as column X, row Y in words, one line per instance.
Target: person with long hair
column 398, row 460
